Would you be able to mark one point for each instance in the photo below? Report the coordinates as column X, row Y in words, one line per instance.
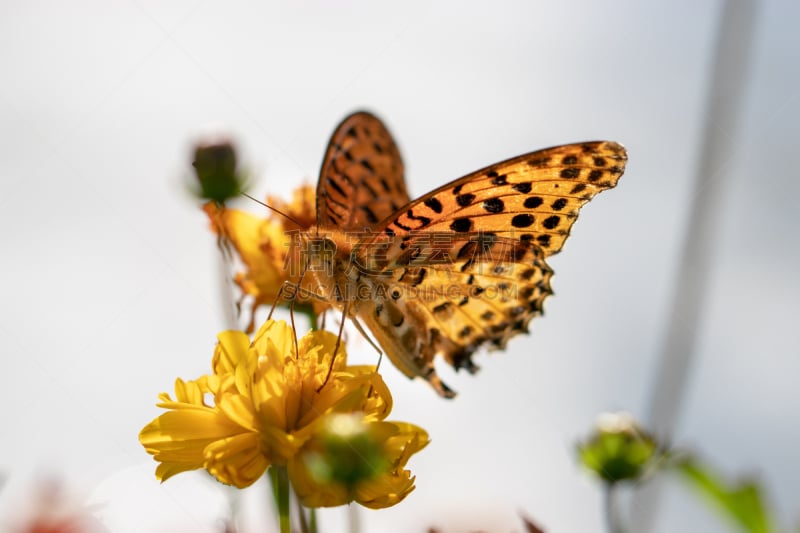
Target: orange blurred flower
column 263, row 245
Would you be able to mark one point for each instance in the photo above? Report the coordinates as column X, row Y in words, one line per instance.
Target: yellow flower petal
column 237, row 460
column 177, row 439
column 274, row 340
column 232, row 350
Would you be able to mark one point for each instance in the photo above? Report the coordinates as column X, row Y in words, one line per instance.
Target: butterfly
column 459, row 268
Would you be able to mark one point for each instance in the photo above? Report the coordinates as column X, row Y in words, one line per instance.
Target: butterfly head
column 324, row 261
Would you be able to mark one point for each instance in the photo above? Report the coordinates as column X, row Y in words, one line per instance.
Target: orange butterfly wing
column 533, row 197
column 448, row 294
column 361, row 180
column 462, row 266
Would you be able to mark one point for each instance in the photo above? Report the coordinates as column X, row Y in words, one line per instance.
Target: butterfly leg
column 338, row 343
column 278, row 297
column 363, row 332
column 292, row 289
column 294, row 326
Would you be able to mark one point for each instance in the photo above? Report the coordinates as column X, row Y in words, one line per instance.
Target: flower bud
column 618, row 450
column 350, row 451
column 215, row 167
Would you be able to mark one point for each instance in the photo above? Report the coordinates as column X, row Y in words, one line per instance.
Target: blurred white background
column 110, row 279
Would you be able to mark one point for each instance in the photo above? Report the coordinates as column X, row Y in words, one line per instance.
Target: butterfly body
column 461, row 267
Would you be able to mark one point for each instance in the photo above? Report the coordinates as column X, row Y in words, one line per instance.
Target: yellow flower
column 263, row 245
column 270, row 401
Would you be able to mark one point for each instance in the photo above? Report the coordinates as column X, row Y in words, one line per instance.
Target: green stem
column 612, row 515
column 308, row 310
column 312, row 525
column 280, row 489
column 301, row 515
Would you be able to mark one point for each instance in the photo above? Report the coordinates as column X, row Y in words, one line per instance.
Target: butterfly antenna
column 275, row 209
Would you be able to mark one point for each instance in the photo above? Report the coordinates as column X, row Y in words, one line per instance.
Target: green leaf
column 743, row 502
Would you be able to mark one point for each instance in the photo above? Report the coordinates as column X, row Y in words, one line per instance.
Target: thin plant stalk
column 280, row 490
column 355, row 518
column 612, row 512
column 301, row 515
column 312, row 520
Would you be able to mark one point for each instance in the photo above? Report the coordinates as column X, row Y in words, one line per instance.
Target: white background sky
column 110, row 281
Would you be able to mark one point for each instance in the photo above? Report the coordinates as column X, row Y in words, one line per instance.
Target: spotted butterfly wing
column 461, row 267
column 447, row 294
column 534, row 197
column 361, row 181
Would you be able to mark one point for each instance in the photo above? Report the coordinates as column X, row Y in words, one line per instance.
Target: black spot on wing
column 532, row 202
column 368, row 166
column 522, row 220
column 423, row 221
column 493, row 205
column 467, row 250
column 332, row 183
column 501, row 179
column 434, row 204
column 369, row 213
column 570, row 173
column 465, row 199
column 401, row 225
column 551, row 222
column 539, row 161
column 461, row 225
column 442, row 308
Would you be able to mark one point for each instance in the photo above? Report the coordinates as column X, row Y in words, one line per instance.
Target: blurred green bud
column 350, row 451
column 215, row 166
column 619, row 450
